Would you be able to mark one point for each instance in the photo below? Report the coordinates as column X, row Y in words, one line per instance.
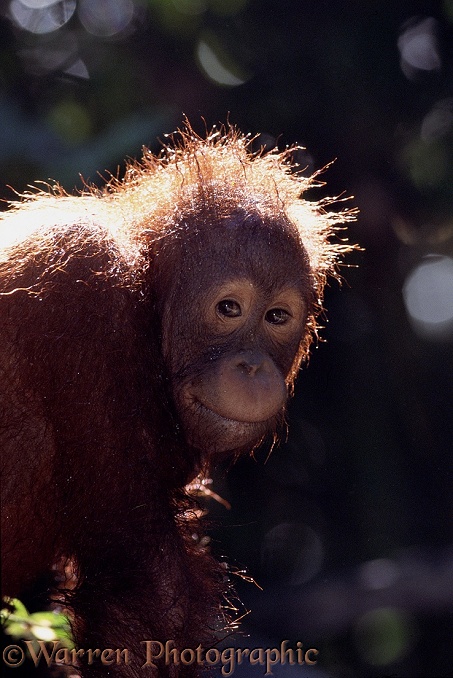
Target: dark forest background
column 347, row 527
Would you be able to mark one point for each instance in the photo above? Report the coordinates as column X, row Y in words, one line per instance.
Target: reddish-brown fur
column 94, row 341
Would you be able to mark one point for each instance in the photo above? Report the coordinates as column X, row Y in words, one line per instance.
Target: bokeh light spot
column 379, row 574
column 384, row 635
column 44, row 18
column 78, row 70
column 39, row 4
column 438, row 122
column 213, row 66
column 428, row 297
column 105, row 18
column 426, row 162
column 70, row 120
column 418, row 47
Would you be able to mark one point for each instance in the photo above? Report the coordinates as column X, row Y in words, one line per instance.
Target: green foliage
column 47, row 626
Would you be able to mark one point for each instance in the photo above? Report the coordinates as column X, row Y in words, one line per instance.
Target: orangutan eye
column 228, row 308
column 277, row 316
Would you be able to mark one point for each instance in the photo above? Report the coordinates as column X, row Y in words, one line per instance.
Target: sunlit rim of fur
column 266, row 182
column 191, row 176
